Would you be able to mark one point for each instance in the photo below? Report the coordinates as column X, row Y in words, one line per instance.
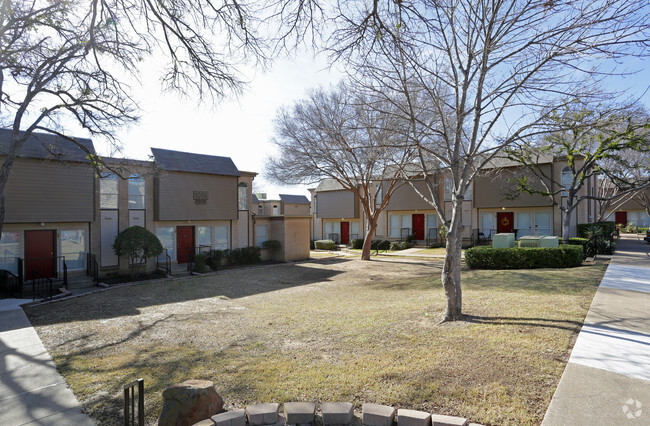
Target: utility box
column 550, row 242
column 529, row 241
column 503, row 240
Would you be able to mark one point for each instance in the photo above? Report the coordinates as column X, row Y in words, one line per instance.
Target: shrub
column 138, row 243
column 608, row 228
column 325, row 245
column 396, row 246
column 216, row 258
column 380, row 245
column 200, row 263
column 641, row 230
column 244, row 256
column 357, row 243
column 410, row 238
column 485, row 257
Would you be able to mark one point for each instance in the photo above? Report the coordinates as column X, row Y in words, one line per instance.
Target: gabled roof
column 329, row 185
column 198, row 163
column 49, row 146
column 294, row 199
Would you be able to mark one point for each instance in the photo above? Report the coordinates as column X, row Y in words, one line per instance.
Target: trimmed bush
column 216, row 259
column 357, row 243
column 379, row 245
column 243, row 256
column 325, row 245
column 485, row 257
column 641, row 230
column 396, row 246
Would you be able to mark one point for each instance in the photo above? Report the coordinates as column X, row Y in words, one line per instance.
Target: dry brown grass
column 335, row 329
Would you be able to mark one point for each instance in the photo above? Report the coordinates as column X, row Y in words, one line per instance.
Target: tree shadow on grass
column 561, row 324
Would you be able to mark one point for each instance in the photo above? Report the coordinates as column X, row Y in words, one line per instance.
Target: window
column 136, row 192
column 73, row 248
column 260, row 209
column 399, row 222
column 380, row 194
column 9, row 252
column 275, row 210
column 332, row 230
column 166, row 237
column 315, row 204
column 204, row 236
column 243, row 196
column 543, row 223
column 524, row 224
column 260, row 234
column 432, row 226
column 487, row 224
column 108, row 191
column 566, row 179
column 449, row 187
column 354, row 229
column 221, row 237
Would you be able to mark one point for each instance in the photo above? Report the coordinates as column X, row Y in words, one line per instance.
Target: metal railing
column 53, row 267
column 334, row 237
column 129, row 403
column 166, row 263
column 11, row 284
column 482, row 237
column 41, row 286
column 92, row 267
column 404, row 233
column 432, row 236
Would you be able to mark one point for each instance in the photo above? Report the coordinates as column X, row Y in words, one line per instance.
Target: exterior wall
column 490, row 189
column 537, row 225
column 337, row 204
column 405, row 198
column 174, row 196
column 293, row 233
column 633, row 204
column 387, row 219
column 49, row 191
column 295, row 209
column 212, row 224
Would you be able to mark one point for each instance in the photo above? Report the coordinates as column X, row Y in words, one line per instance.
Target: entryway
column 40, row 254
column 185, row 244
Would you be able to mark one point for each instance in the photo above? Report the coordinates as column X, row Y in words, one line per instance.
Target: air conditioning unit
column 503, row 240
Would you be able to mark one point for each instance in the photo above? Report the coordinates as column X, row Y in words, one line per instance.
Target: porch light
column 503, row 208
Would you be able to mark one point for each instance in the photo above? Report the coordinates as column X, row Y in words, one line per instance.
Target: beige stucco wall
column 492, row 189
column 405, row 197
column 295, row 209
column 337, row 204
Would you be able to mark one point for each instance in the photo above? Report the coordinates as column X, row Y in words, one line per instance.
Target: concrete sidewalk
column 607, row 379
column 31, row 389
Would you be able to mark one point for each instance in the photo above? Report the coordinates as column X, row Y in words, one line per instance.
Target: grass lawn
column 328, row 330
column 437, row 250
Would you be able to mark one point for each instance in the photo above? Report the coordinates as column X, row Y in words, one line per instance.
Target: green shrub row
column 486, row 257
column 380, row 245
column 357, row 243
column 400, row 245
column 324, row 245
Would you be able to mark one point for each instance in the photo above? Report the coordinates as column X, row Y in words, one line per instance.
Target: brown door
column 40, row 254
column 418, row 226
column 621, row 218
column 345, row 232
column 185, row 244
column 505, row 222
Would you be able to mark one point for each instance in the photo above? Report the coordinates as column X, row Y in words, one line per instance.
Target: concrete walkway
column 607, row 379
column 31, row 389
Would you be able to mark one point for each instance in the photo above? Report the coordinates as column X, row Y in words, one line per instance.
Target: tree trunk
column 367, row 241
column 566, row 226
column 451, row 276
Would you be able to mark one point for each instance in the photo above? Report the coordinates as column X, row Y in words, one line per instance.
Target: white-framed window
column 524, row 224
column 275, row 210
column 354, row 229
column 166, row 237
column 73, row 248
column 432, row 225
column 543, row 224
column 136, row 192
column 380, row 194
column 261, row 234
column 330, row 228
column 260, row 209
column 566, row 179
column 488, row 224
column 204, row 236
column 315, row 204
column 108, row 191
column 242, row 192
column 9, row 246
column 399, row 222
column 221, row 241
column 448, row 189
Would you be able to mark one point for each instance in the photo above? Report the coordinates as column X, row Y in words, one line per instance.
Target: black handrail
column 129, row 403
column 167, row 263
column 38, row 282
column 12, row 285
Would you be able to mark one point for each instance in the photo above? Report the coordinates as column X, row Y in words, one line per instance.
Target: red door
column 40, row 254
column 418, row 226
column 621, row 218
column 345, row 232
column 184, row 244
column 505, row 222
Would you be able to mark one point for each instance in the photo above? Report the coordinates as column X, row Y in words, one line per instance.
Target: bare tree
column 628, row 170
column 341, row 135
column 592, row 143
column 65, row 62
column 476, row 76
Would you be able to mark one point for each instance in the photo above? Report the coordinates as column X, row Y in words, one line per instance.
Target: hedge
column 380, row 245
column 325, row 245
column 397, row 245
column 357, row 243
column 486, row 257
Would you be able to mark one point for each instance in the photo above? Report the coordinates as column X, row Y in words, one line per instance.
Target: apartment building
column 60, row 210
column 492, row 204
